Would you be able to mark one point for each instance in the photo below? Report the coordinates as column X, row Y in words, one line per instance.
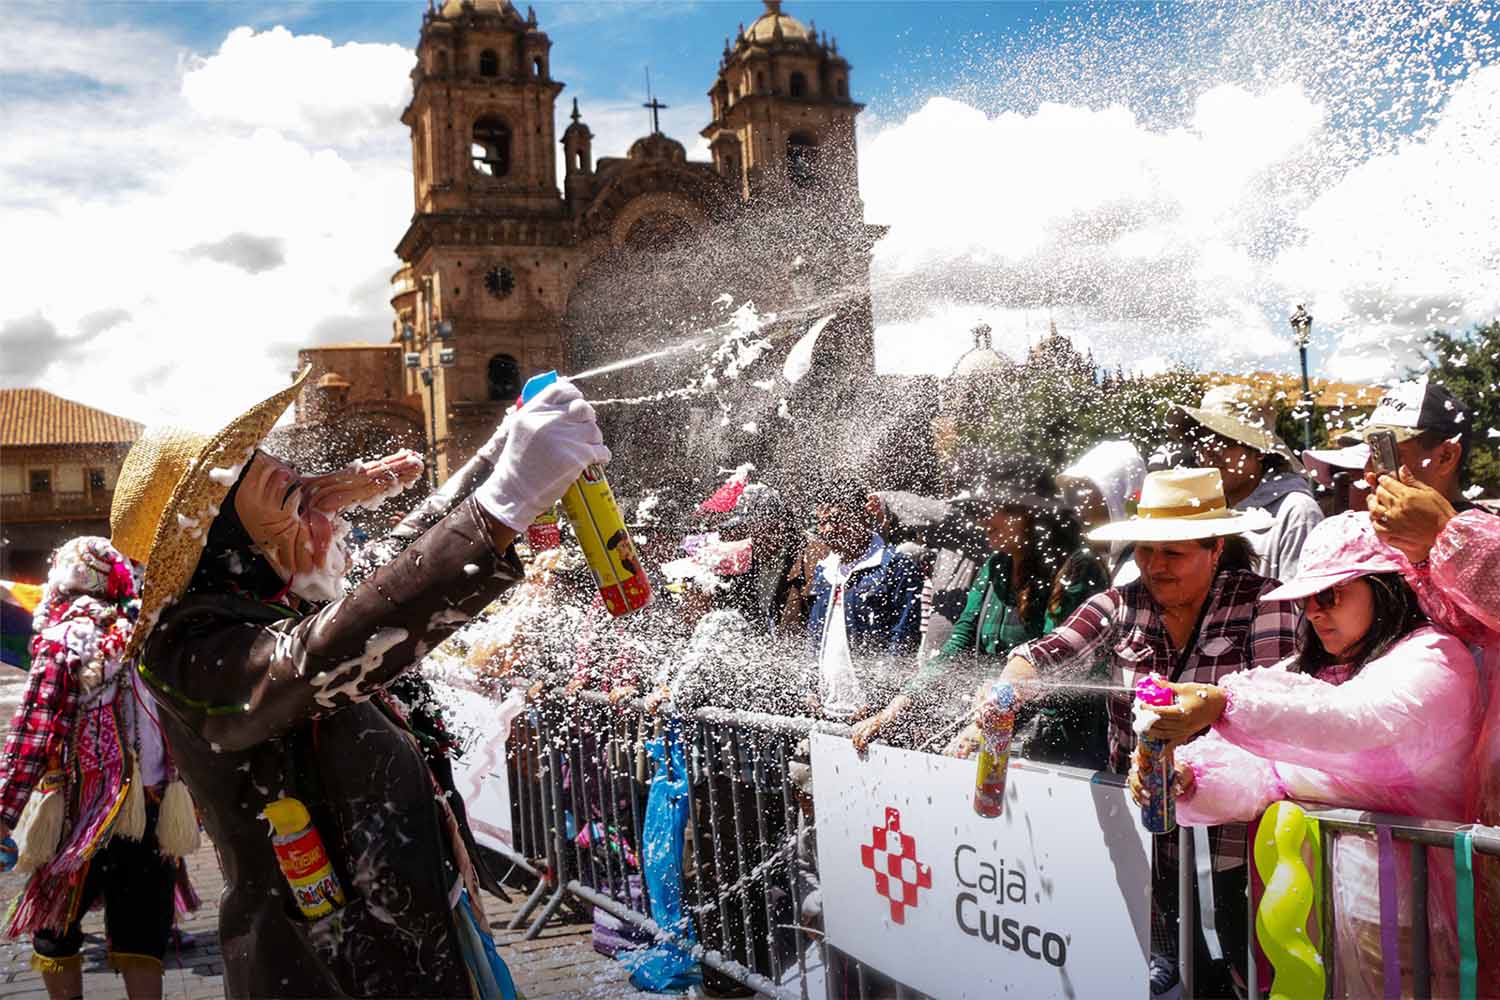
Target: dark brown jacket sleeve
column 238, row 679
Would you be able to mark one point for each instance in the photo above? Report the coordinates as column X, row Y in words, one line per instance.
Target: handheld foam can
column 997, row 723
column 1159, row 811
column 303, row 860
column 590, row 506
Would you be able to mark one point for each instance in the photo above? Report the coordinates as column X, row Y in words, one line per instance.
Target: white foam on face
column 326, row 581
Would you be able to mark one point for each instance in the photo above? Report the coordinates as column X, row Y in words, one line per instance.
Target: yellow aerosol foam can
column 595, row 515
column 303, row 860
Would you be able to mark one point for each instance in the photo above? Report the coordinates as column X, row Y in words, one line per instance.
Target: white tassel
column 177, row 823
column 40, row 830
column 132, row 822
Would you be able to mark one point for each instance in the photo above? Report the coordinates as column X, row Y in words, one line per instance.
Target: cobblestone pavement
column 560, row 963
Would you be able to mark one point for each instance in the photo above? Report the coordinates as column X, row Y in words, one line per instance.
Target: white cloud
column 1184, row 241
column 302, row 85
column 239, row 206
column 1410, row 241
column 1142, row 240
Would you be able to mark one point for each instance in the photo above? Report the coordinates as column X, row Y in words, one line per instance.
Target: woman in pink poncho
column 1383, row 716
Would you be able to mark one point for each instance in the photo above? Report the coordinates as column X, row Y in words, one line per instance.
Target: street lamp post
column 1301, row 321
column 427, row 366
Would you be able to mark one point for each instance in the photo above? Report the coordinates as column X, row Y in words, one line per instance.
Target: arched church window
column 538, row 70
column 842, row 87
column 797, row 85
column 490, row 151
column 504, row 378
column 442, row 64
column 760, row 83
column 489, row 63
column 802, row 159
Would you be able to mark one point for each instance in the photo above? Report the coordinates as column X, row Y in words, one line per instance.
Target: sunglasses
column 1324, row 600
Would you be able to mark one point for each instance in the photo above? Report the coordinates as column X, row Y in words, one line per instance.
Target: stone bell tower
column 783, row 120
column 480, row 300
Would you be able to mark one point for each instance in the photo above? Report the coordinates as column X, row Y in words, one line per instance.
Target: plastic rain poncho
column 1396, row 737
column 1459, row 588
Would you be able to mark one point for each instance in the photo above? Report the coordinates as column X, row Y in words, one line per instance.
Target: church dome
column 764, row 28
column 983, row 359
column 454, row 8
column 658, row 147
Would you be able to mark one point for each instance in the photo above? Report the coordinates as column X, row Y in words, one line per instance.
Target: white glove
column 548, row 442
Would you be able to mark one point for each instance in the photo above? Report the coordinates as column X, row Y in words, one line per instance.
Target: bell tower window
column 489, row 63
column 802, row 159
column 500, row 282
column 538, row 68
column 504, row 378
column 490, row 152
column 842, row 87
column 797, row 85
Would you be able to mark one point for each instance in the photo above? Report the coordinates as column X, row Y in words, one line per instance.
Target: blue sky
column 902, row 53
column 1163, row 181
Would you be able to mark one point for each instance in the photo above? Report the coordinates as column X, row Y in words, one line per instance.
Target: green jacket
column 990, row 625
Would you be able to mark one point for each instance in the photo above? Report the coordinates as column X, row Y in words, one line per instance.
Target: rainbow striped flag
column 18, row 602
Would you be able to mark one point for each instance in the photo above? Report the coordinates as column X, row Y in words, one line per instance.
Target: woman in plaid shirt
column 1194, row 615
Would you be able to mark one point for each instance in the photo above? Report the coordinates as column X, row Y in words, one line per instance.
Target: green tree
column 1468, row 364
column 1055, row 407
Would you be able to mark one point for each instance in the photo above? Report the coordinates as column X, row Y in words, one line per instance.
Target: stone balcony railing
column 55, row 506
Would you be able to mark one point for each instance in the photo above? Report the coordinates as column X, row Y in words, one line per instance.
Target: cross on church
column 653, row 105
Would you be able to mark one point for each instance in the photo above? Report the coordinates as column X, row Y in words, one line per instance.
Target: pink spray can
column 1159, row 811
column 997, row 723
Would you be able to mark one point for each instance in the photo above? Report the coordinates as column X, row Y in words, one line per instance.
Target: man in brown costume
column 268, row 693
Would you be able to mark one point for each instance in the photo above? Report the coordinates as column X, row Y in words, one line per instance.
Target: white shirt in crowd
column 838, row 683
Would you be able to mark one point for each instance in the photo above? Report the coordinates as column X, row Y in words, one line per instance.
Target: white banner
column 481, row 724
column 1050, row 899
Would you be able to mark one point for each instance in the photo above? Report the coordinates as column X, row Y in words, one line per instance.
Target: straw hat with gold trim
column 1180, row 505
column 169, row 492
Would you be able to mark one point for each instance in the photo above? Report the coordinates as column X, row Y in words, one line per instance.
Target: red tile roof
column 37, row 417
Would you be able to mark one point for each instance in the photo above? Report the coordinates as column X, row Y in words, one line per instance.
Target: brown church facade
column 505, row 274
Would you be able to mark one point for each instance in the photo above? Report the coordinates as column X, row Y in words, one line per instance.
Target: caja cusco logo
column 987, row 888
column 892, row 856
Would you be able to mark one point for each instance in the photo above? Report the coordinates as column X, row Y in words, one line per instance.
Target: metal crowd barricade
column 579, row 782
column 1425, row 833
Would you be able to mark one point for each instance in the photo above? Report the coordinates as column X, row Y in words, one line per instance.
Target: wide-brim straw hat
column 1180, row 505
column 1233, row 411
column 169, row 491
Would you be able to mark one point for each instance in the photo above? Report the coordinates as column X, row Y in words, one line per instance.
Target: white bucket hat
column 1180, row 505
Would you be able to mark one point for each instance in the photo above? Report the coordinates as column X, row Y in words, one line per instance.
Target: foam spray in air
column 590, row 506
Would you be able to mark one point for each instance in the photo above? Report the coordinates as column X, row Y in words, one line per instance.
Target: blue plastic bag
column 666, row 967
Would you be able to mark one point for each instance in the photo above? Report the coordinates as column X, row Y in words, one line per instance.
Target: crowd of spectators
column 1313, row 658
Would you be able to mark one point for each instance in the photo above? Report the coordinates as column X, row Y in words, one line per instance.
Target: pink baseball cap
column 1339, row 549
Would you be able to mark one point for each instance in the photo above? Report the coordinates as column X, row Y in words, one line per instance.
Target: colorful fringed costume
column 84, row 756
